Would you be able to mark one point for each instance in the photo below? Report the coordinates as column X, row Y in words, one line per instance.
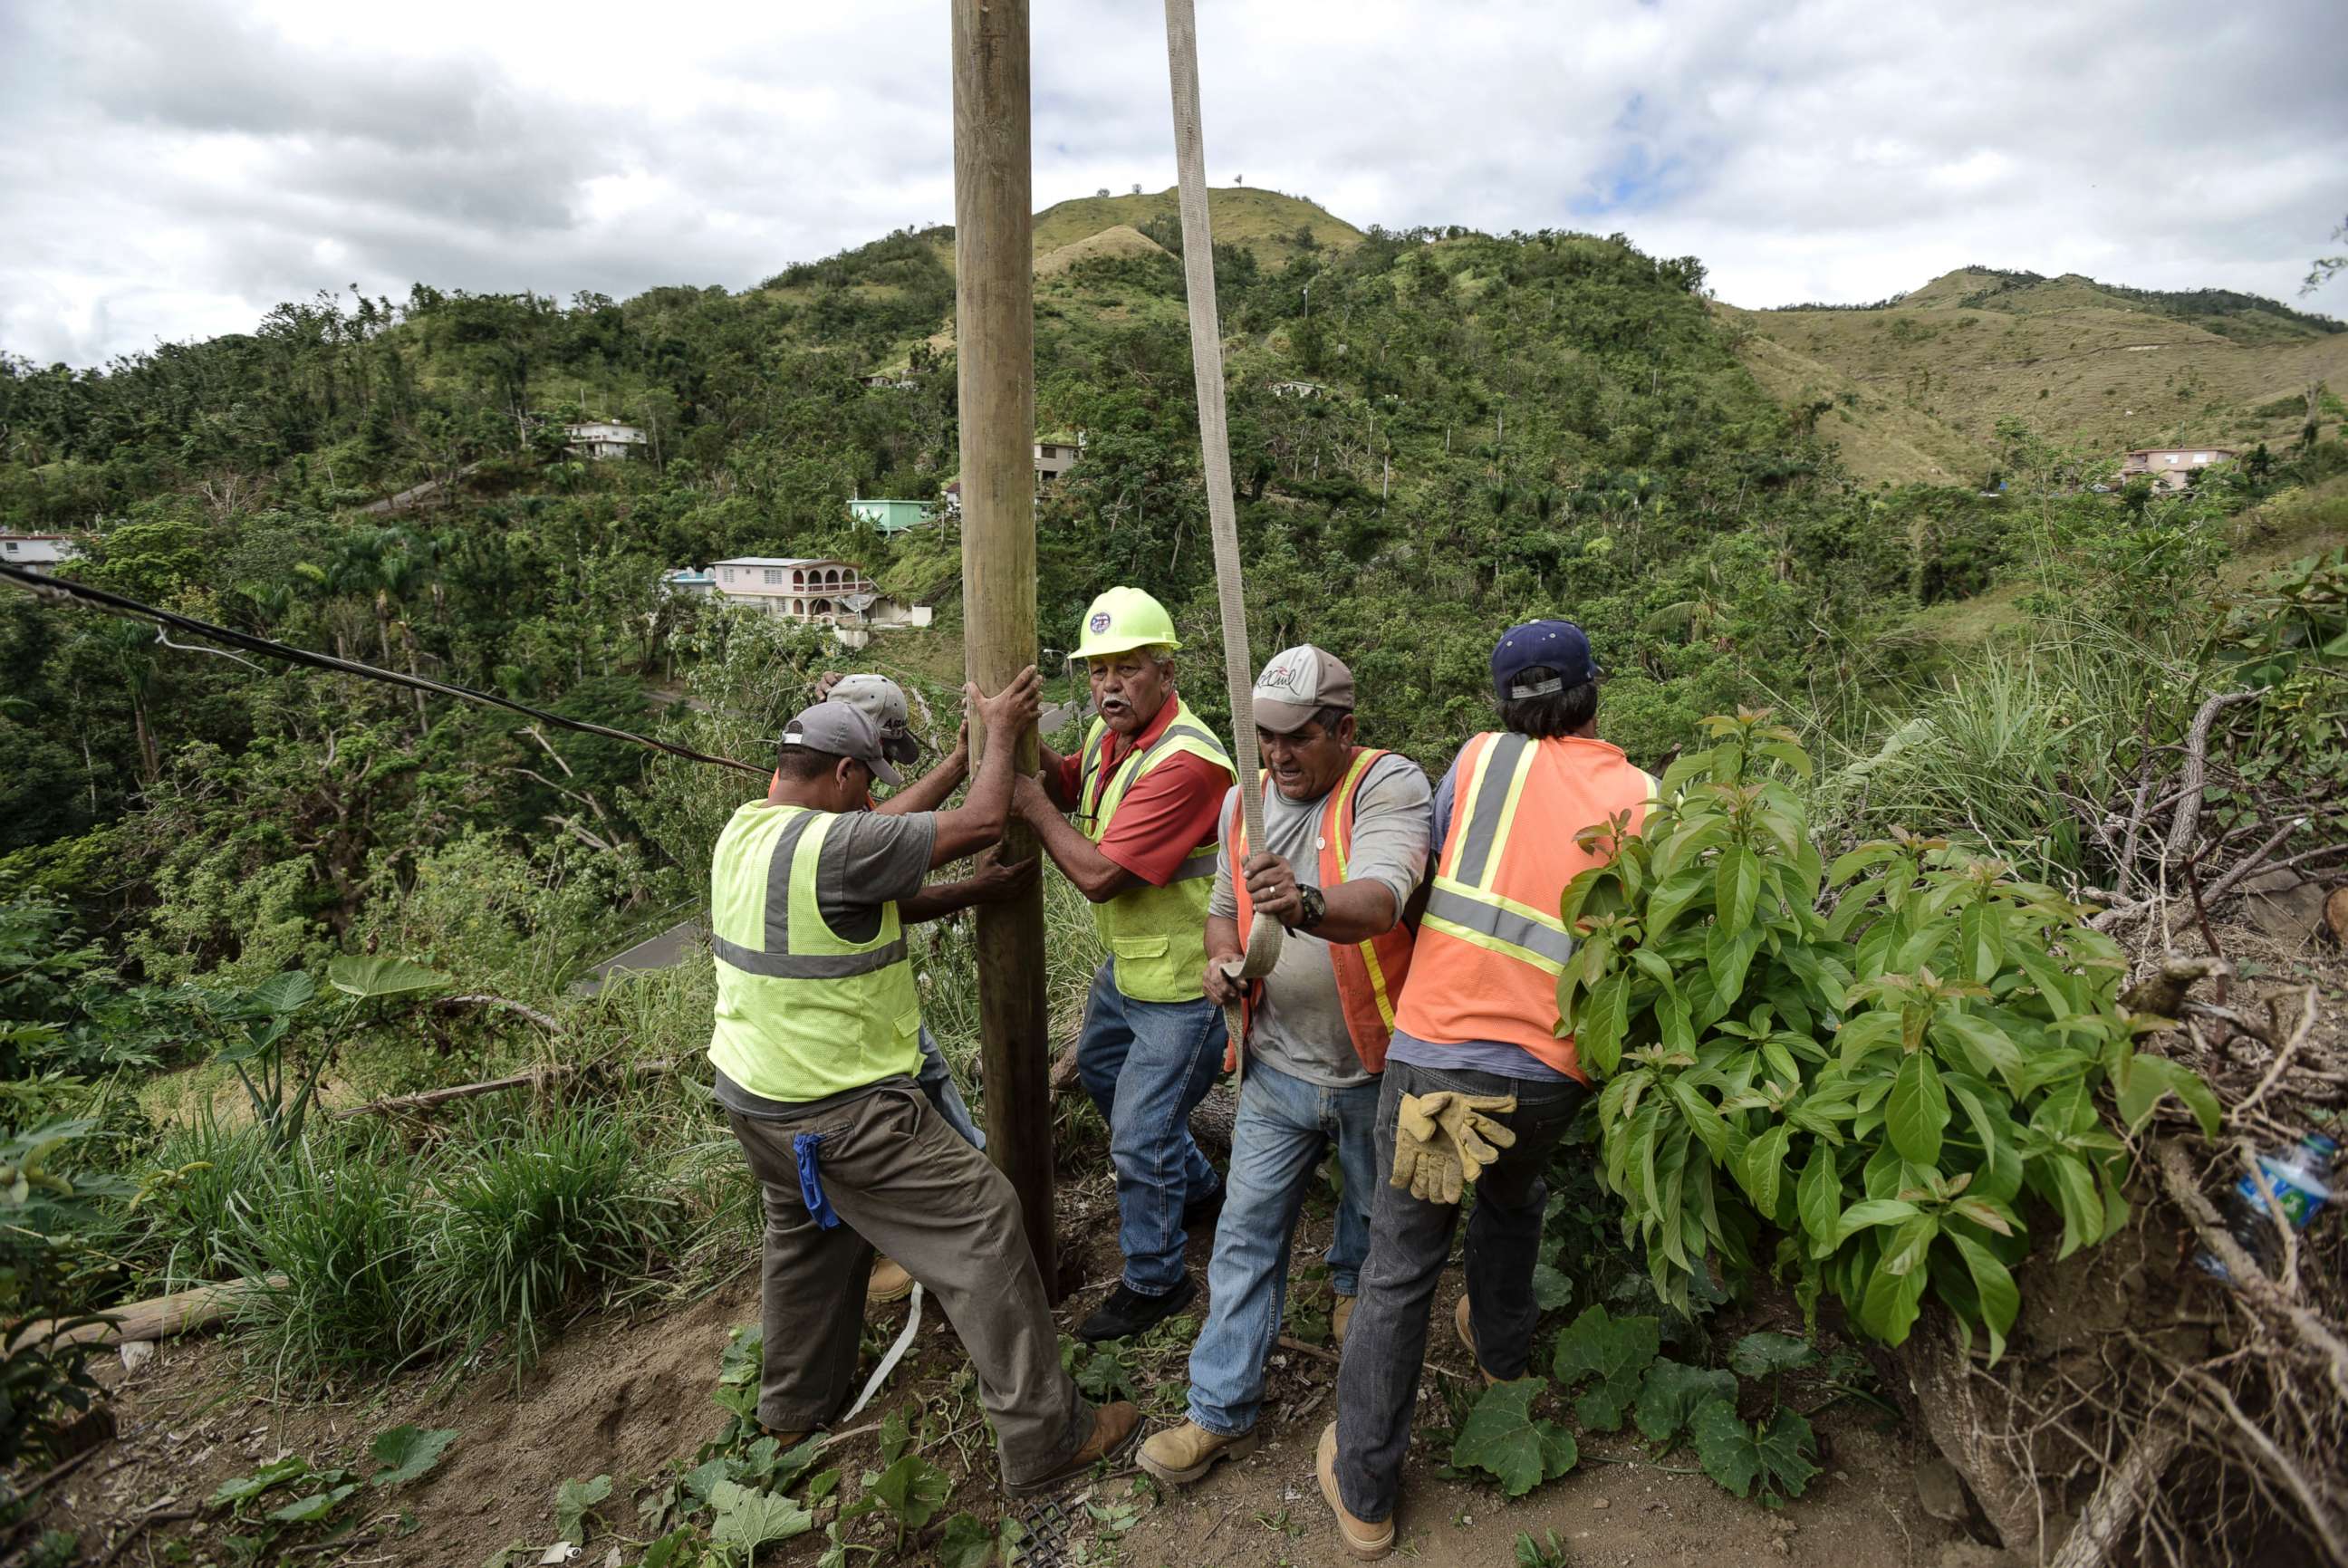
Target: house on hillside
column 694, row 583
column 38, row 549
column 2173, row 468
column 1055, row 456
column 1297, row 389
column 889, row 516
column 898, row 380
column 814, row 589
column 603, row 439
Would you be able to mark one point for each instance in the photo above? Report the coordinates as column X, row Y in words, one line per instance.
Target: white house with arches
column 813, row 588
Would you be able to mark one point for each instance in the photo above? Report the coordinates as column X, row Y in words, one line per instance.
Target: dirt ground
column 626, row 1394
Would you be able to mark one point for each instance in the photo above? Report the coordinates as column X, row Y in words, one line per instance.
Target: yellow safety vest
column 802, row 1013
column 1156, row 936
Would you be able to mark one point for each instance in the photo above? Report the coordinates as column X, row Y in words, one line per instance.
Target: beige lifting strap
column 1215, row 441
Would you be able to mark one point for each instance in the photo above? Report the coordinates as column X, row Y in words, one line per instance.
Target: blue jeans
column 1146, row 1066
column 1285, row 1124
column 937, row 1081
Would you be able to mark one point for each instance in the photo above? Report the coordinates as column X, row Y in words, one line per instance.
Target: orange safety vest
column 1370, row 975
column 1491, row 944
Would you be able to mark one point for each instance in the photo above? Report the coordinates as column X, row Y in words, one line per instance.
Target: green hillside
column 224, row 882
column 2082, row 363
column 1265, row 223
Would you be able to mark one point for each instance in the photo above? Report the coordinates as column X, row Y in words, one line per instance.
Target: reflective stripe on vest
column 1492, row 943
column 1157, row 936
column 802, row 1012
column 1462, row 901
column 1370, row 974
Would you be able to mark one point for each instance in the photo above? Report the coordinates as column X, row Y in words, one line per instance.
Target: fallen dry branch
column 2122, row 1496
column 2187, row 821
column 426, row 1100
column 2260, row 1294
column 503, row 1004
column 2320, row 1514
column 2283, row 1055
column 2163, row 994
column 158, row 1317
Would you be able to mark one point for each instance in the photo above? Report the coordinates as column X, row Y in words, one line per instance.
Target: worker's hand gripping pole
column 1215, row 443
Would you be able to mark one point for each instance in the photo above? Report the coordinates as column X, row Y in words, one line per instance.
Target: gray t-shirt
column 870, row 859
column 867, row 861
column 1300, row 1026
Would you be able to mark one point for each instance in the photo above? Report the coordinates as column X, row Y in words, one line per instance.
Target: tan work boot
column 1367, row 1541
column 1112, row 1429
column 1181, row 1455
column 1340, row 1317
column 888, row 1282
column 1467, row 1338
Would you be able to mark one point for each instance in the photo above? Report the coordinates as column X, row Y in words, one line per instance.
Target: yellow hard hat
column 1122, row 620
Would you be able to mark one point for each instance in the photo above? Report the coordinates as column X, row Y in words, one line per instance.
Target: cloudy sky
column 171, row 171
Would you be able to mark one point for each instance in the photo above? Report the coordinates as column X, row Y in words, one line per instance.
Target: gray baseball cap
column 883, row 701
column 843, row 731
column 1297, row 683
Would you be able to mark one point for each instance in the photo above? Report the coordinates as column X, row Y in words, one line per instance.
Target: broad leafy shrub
column 1882, row 1085
column 44, row 1382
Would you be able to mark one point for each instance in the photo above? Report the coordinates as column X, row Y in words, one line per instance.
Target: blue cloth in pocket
column 803, row 1151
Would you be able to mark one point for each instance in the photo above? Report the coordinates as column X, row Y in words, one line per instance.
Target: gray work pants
column 901, row 1181
column 1385, row 1344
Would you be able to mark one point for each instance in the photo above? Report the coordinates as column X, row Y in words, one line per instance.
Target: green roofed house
column 890, row 516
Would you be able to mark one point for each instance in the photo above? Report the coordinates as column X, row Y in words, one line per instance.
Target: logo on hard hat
column 1100, row 621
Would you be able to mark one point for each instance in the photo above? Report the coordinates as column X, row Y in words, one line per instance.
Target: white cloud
column 173, row 171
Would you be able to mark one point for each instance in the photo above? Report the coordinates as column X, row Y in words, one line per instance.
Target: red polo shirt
column 1172, row 810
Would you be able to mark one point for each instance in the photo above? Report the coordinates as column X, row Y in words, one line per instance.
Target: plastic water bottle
column 2301, row 1180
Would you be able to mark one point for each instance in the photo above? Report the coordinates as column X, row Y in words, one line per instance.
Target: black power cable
column 46, row 586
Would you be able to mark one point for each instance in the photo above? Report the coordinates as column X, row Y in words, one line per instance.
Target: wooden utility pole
column 995, row 345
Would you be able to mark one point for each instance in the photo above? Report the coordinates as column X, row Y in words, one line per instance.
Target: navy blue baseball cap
column 1558, row 645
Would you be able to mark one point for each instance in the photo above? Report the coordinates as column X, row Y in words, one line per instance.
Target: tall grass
column 525, row 1221
column 1999, row 748
column 342, row 1230
column 221, row 1178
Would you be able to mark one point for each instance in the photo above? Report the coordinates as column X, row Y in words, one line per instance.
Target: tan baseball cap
column 1297, row 684
column 840, row 731
column 883, row 701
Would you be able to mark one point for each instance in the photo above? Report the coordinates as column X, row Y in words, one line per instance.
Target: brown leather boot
column 1114, row 1427
column 1366, row 1542
column 1338, row 1318
column 1467, row 1338
column 889, row 1282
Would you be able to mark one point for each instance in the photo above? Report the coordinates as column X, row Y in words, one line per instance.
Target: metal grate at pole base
column 1048, row 1527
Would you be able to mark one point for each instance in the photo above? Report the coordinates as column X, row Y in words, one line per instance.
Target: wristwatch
column 1312, row 907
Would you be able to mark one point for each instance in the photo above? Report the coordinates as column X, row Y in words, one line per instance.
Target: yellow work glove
column 1444, row 1140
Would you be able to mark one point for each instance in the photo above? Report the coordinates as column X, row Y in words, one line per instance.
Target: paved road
column 686, row 939
column 412, row 495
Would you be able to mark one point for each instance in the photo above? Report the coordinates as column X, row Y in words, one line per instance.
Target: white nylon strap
column 889, row 1362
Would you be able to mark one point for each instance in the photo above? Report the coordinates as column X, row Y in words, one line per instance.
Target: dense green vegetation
column 1490, row 428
